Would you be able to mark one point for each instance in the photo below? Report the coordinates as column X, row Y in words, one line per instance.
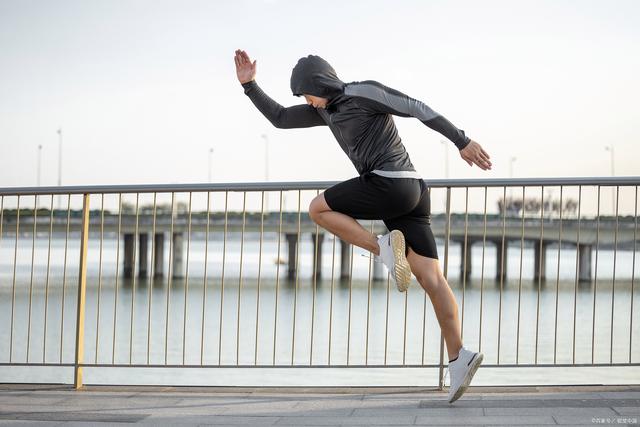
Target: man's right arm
column 298, row 116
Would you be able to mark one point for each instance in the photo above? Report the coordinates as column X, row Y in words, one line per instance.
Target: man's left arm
column 384, row 99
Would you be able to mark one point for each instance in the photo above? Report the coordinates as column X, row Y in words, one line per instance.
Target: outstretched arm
column 380, row 98
column 298, row 116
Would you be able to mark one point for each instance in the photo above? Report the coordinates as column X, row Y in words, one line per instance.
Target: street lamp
column 609, row 148
column 210, row 163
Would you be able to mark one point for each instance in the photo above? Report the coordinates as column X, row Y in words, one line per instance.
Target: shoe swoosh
column 472, row 359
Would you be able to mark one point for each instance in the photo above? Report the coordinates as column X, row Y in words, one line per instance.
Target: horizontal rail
column 308, row 185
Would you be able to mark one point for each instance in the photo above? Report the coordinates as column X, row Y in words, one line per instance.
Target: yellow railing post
column 82, row 284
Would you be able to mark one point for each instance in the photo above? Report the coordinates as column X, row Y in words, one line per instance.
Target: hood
column 312, row 75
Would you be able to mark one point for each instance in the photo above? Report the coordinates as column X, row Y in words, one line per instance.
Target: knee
column 316, row 207
column 430, row 280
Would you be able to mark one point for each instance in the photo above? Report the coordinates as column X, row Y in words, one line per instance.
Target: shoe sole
column 467, row 378
column 402, row 268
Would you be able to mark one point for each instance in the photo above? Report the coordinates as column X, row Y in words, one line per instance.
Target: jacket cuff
column 249, row 85
column 462, row 143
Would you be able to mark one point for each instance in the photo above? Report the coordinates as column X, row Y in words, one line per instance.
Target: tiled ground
column 61, row 405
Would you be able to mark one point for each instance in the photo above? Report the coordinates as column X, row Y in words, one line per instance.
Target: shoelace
column 376, row 258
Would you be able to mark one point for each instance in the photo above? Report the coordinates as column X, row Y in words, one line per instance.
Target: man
column 359, row 114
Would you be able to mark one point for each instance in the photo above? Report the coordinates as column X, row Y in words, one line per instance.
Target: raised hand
column 245, row 69
column 474, row 154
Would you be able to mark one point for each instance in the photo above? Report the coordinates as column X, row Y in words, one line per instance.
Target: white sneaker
column 392, row 253
column 462, row 370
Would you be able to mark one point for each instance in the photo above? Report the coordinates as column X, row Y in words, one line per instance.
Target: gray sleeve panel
column 396, row 102
column 298, row 116
column 386, row 100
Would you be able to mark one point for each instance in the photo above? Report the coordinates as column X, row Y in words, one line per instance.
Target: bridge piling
column 158, row 255
column 540, row 260
column 178, row 255
column 345, row 259
column 317, row 239
column 584, row 263
column 501, row 259
column 465, row 258
column 292, row 243
column 128, row 255
column 143, row 258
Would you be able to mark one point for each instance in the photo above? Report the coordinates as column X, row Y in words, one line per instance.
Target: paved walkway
column 62, row 406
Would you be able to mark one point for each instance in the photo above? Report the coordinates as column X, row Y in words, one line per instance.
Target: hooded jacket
column 359, row 114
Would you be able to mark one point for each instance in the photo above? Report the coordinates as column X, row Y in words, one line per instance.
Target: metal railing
column 235, row 313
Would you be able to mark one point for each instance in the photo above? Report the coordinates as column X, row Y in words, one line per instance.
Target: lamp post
column 609, row 148
column 210, row 163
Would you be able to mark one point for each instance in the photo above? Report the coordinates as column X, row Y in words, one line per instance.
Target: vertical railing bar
column 255, row 360
column 115, row 301
column 204, row 279
column 386, row 322
column 446, row 274
column 224, row 259
column 349, row 315
column 275, row 312
column 503, row 273
column 404, row 332
column 186, row 284
column 2, row 217
column 152, row 273
column 13, row 292
column 314, row 284
column 136, row 236
column 633, row 270
column 464, row 257
column 613, row 285
column 424, row 312
column 64, row 274
column 33, row 253
column 99, row 275
column 520, row 278
column 333, row 265
column 366, row 346
column 295, row 298
column 82, row 290
column 484, row 244
column 169, row 280
column 555, row 328
column 575, row 284
column 542, row 257
column 244, row 212
column 46, row 286
column 595, row 281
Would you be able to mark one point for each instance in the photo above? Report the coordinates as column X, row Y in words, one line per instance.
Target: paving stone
column 484, row 420
column 455, row 411
column 627, row 410
column 533, row 403
column 217, row 420
column 367, row 421
column 551, row 410
column 593, row 420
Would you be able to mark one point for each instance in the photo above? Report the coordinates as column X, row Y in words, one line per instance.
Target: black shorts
column 402, row 203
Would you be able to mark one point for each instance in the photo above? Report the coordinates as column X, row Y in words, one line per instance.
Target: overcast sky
column 142, row 90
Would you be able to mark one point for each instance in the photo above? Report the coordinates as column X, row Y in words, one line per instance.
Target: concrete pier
column 584, row 262
column 540, row 260
column 379, row 270
column 317, row 239
column 143, row 257
column 158, row 255
column 465, row 272
column 501, row 259
column 292, row 244
column 128, row 255
column 345, row 259
column 178, row 255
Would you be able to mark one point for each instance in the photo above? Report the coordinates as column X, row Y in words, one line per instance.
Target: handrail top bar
column 307, row 185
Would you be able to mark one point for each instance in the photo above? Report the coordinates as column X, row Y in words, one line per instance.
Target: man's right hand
column 245, row 69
